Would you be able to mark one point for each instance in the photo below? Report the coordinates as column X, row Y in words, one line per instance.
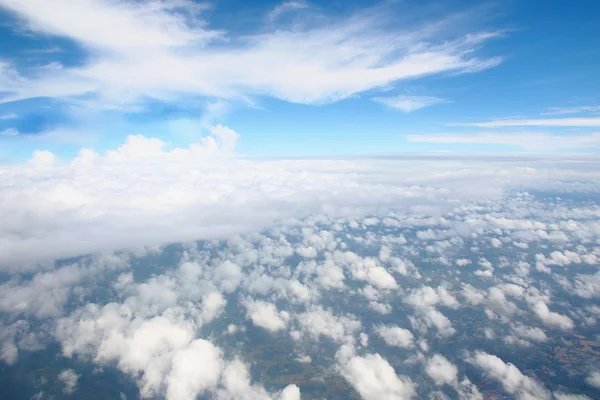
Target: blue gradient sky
column 523, row 74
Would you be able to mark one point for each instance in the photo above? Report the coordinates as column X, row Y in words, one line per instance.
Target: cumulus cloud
column 143, row 193
column 441, row 370
column 395, row 336
column 511, row 378
column 551, row 318
column 374, row 378
column 195, row 369
column 381, row 240
column 69, row 378
column 593, row 379
column 266, row 315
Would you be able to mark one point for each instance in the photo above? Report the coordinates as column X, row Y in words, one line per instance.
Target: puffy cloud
column 511, row 378
column 593, row 379
column 587, row 286
column 266, row 315
column 374, row 378
column 195, row 369
column 395, row 336
column 69, row 378
column 551, row 318
column 427, row 297
column 431, row 317
column 290, row 392
column 441, row 370
column 144, row 193
column 530, row 333
column 237, row 385
column 318, row 321
column 379, row 277
column 213, row 304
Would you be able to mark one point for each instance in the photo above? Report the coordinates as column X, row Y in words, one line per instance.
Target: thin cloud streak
column 527, row 140
column 409, row 103
column 575, row 122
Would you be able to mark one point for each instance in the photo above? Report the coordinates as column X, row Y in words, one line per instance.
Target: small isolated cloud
column 266, row 315
column 8, row 116
column 409, row 103
column 551, row 318
column 395, row 336
column 375, row 379
column 69, row 378
column 525, row 140
column 441, row 370
column 512, row 379
column 9, row 132
column 593, row 379
column 499, row 123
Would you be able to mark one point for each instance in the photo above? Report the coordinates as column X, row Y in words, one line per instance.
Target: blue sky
column 301, row 78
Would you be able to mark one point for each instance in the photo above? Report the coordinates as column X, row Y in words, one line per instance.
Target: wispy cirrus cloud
column 285, row 8
column 409, row 103
column 499, row 123
column 168, row 51
column 573, row 110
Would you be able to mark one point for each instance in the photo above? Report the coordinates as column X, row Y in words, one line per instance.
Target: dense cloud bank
column 146, row 194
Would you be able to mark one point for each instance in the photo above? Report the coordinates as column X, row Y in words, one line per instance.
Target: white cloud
column 441, row 370
column 395, row 336
column 316, row 63
column 526, row 140
column 375, row 379
column 212, row 306
column 551, row 318
column 266, row 315
column 10, row 132
column 195, row 369
column 286, row 7
column 511, row 378
column 587, row 286
column 146, row 194
column 565, row 396
column 379, row 277
column 426, row 296
column 409, row 103
column 593, row 379
column 573, row 110
column 69, row 378
column 530, row 333
column 318, row 321
column 581, row 122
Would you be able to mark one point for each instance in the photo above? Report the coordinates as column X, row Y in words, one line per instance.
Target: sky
column 299, row 78
column 267, row 200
